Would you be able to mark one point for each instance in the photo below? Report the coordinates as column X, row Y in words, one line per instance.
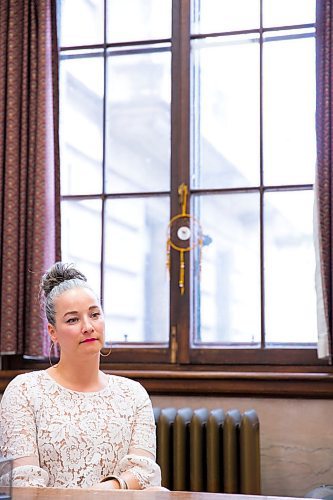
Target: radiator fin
column 215, row 476
column 231, row 452
column 209, row 450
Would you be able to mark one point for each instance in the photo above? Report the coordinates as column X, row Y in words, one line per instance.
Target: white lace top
column 78, row 437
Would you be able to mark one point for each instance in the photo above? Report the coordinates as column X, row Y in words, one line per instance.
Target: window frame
column 180, row 160
column 181, row 368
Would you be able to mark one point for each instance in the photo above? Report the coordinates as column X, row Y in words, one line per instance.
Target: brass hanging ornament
column 184, row 234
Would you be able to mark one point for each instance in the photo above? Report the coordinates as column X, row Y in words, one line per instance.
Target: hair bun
column 59, row 273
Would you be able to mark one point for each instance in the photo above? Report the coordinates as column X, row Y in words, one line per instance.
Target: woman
column 73, row 425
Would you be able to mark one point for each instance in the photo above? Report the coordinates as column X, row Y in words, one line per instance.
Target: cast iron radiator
column 208, row 450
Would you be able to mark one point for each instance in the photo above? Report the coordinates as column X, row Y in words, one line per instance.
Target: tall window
column 217, row 96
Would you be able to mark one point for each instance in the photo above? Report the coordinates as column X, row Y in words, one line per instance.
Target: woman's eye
column 71, row 320
column 96, row 315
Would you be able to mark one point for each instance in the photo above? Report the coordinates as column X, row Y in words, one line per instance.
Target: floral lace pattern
column 78, row 437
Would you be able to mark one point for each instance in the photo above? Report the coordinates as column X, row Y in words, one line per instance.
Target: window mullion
column 180, row 147
column 262, row 255
column 102, row 270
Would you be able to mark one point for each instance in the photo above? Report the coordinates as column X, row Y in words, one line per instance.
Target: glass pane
column 81, row 22
column 289, row 100
column 225, row 120
column 227, row 290
column 81, row 124
column 136, row 286
column 288, row 12
column 217, row 16
column 81, row 232
column 129, row 20
column 138, row 122
column 290, row 302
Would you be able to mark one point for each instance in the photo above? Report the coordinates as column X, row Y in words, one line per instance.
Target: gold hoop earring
column 50, row 352
column 105, row 355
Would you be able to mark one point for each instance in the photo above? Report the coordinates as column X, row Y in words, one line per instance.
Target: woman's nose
column 87, row 326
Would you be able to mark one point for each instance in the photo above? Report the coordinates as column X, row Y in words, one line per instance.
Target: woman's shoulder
column 126, row 384
column 26, row 380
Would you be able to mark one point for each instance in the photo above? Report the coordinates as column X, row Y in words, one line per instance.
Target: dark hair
column 57, row 280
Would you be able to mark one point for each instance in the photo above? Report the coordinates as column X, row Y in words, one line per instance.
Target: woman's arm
column 138, row 467
column 18, row 435
column 141, row 460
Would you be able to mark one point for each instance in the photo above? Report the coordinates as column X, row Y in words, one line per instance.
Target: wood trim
column 255, row 356
column 157, row 357
column 305, row 385
column 180, row 159
column 318, row 385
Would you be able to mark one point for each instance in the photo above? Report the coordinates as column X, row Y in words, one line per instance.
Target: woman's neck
column 79, row 375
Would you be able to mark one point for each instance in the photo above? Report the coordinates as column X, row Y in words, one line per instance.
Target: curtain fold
column 323, row 217
column 29, row 171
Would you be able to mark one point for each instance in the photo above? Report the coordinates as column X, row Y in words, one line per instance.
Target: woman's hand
column 106, row 485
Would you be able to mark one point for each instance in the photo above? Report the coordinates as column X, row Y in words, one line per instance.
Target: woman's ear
column 52, row 332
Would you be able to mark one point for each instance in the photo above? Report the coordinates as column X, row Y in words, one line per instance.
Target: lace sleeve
column 144, row 468
column 30, row 475
column 26, row 475
column 18, row 434
column 144, row 429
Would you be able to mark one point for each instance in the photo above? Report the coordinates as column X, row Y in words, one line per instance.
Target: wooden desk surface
column 81, row 494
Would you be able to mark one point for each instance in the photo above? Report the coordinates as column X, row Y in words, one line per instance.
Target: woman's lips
column 88, row 340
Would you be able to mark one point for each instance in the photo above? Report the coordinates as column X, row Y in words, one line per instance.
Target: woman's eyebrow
column 76, row 312
column 70, row 312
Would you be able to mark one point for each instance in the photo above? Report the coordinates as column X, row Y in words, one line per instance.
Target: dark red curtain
column 29, row 170
column 323, row 183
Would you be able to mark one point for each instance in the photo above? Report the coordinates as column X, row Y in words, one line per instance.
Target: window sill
column 317, row 385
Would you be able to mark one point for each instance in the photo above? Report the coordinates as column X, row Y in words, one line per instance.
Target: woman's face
column 79, row 322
